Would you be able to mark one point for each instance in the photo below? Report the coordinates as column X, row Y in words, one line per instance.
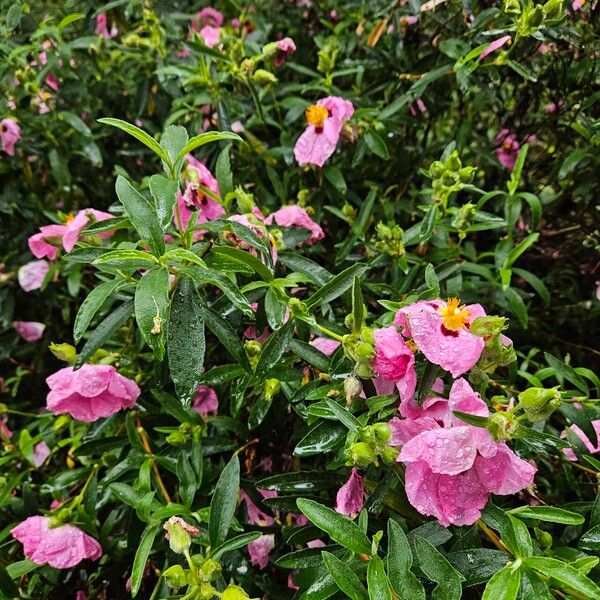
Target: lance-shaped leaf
column 164, row 191
column 399, row 563
column 336, row 286
column 224, row 501
column 206, row 138
column 152, row 309
column 91, row 305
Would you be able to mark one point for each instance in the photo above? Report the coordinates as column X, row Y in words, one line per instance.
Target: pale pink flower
column 495, row 45
column 51, row 81
column 325, row 119
column 577, row 4
column 210, row 35
column 5, row 432
column 10, row 134
column 206, row 402
column 102, row 27
column 255, row 515
column 89, row 393
column 285, row 48
column 41, row 452
column 207, row 23
column 585, row 440
column 325, row 345
column 194, row 197
column 441, row 331
column 296, row 216
column 61, row 547
column 552, row 107
column 260, row 549
column 507, row 148
column 45, row 243
column 30, row 331
column 393, row 360
column 32, row 275
column 351, row 496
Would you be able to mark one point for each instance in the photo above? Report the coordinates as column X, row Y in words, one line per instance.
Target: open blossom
column 45, row 243
column 441, row 331
column 351, row 496
column 102, row 27
column 60, row 547
column 296, row 216
column 495, row 45
column 92, row 392
column 206, row 402
column 285, row 48
column 10, row 134
column 30, row 331
column 207, row 23
column 260, row 549
column 32, row 275
column 453, row 467
column 584, row 439
column 325, row 120
column 393, row 363
column 507, row 149
column 194, row 197
column 255, row 515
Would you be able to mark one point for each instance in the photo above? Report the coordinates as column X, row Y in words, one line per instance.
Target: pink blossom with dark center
column 10, row 134
column 206, row 402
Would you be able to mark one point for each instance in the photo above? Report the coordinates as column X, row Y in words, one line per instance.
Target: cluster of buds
column 449, row 176
column 534, row 16
column 360, row 347
column 183, row 433
column 389, row 240
column 373, row 442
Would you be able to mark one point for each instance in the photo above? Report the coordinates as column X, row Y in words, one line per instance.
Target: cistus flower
column 194, row 197
column 30, row 331
column 296, row 216
column 206, row 402
column 259, row 550
column 41, row 452
column 453, row 467
column 495, row 45
column 325, row 120
column 585, row 440
column 507, row 148
column 441, row 331
column 101, row 28
column 255, row 515
column 325, row 345
column 45, row 243
column 10, row 134
column 61, row 547
column 285, row 47
column 32, row 275
column 207, row 23
column 351, row 496
column 89, row 393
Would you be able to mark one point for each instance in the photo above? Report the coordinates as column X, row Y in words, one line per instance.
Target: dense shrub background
column 419, row 93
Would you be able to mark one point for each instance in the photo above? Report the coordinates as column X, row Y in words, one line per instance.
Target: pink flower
column 585, row 440
column 207, row 24
column 102, row 27
column 80, row 595
column 393, row 358
column 285, row 48
column 32, row 275
column 495, row 45
column 210, row 35
column 30, row 331
column 260, row 549
column 350, row 497
column 296, row 216
column 577, row 4
column 325, row 345
column 51, row 81
column 60, row 547
column 452, row 467
column 41, row 452
column 325, row 120
column 92, row 392
column 206, row 402
column 44, row 244
column 255, row 515
column 194, row 197
column 507, row 148
column 10, row 134
column 441, row 331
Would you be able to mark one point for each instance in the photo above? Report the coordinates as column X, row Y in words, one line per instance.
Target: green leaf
column 431, row 279
column 517, row 306
column 141, row 557
column 91, row 305
column 181, row 255
column 152, row 309
column 139, row 134
column 339, row 527
column 571, row 162
column 358, row 308
column 344, row 415
column 223, row 172
column 504, row 585
column 185, row 341
column 142, row 215
column 564, row 573
column 207, row 138
column 164, row 192
column 310, row 354
column 226, row 335
column 562, row 370
column 203, row 276
column 126, row 259
column 172, row 406
column 104, row 331
column 173, row 140
column 236, row 542
column 8, row 589
column 335, row 177
column 399, row 563
column 336, row 286
column 224, row 501
column 273, row 350
column 323, row 437
column 344, row 577
column 438, row 569
column 515, row 176
column 519, row 249
column 590, row 540
column 477, row 565
column 187, row 480
column 245, row 257
column 377, row 145
column 301, row 264
column 379, row 587
column 549, row 514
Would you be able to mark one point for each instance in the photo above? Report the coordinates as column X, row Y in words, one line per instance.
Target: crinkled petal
column 350, row 497
column 505, row 473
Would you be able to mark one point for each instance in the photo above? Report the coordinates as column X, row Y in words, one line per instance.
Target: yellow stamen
column 70, row 218
column 316, row 115
column 454, row 315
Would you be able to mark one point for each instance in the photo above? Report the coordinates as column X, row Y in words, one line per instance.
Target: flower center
column 316, row 115
column 454, row 315
column 70, row 218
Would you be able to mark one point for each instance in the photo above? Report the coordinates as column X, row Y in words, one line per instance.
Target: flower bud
column 175, row 576
column 361, row 454
column 390, row 455
column 269, row 50
column 453, row 162
column 535, row 17
column 176, row 438
column 539, row 403
column 466, row 174
column 436, row 169
column 264, row 78
column 352, row 388
column 544, row 538
column 272, row 388
column 234, row 592
column 179, row 534
column 553, row 8
column 252, row 348
column 378, row 434
column 64, row 352
column 501, row 426
column 210, row 569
